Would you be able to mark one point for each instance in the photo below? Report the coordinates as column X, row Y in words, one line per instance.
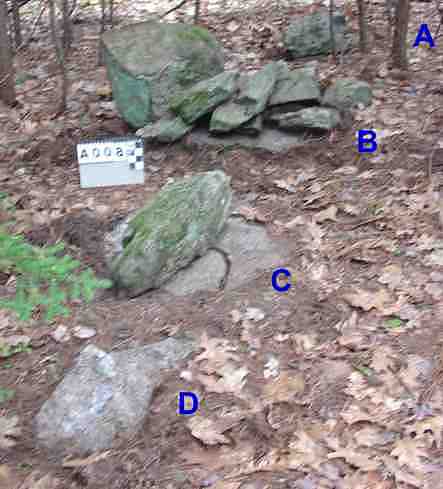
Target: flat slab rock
column 105, row 396
column 269, row 139
column 251, row 251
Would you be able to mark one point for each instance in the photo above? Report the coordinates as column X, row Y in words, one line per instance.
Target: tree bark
column 399, row 45
column 7, row 81
column 18, row 39
column 60, row 54
column 331, row 28
column 363, row 25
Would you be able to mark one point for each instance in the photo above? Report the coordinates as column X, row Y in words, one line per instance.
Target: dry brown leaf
column 355, row 458
column 230, row 378
column 285, row 388
column 355, row 413
column 35, row 481
column 288, row 184
column 392, row 276
column 217, row 352
column 207, row 431
column 367, row 300
column 83, row 462
column 329, row 214
column 409, row 452
column 432, row 426
column 8, row 431
column 305, row 450
column 401, row 475
column 373, row 435
column 7, row 478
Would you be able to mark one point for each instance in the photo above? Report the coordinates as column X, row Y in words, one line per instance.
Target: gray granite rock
column 251, row 252
column 308, row 35
column 251, row 101
column 348, row 93
column 105, row 396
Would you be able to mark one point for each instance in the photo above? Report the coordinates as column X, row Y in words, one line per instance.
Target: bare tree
column 399, row 51
column 7, row 81
column 60, row 54
column 363, row 25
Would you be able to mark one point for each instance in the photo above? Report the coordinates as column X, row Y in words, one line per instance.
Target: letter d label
column 182, row 408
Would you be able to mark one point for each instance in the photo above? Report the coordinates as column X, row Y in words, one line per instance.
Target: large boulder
column 105, row 396
column 149, row 62
column 309, row 35
column 179, row 225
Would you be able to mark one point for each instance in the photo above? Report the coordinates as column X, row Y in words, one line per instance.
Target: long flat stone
column 251, row 252
column 269, row 139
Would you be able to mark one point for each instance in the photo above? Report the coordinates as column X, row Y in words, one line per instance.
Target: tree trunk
column 100, row 57
column 17, row 24
column 7, row 81
column 59, row 51
column 399, row 46
column 363, row 25
column 331, row 28
column 67, row 26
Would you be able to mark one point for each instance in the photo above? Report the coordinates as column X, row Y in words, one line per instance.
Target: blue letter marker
column 364, row 142
column 181, row 403
column 274, row 280
column 424, row 36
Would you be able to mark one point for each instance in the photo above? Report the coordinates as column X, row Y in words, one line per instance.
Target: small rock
column 83, row 333
column 61, row 334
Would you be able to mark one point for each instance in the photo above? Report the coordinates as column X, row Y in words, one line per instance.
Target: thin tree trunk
column 363, row 25
column 60, row 57
column 7, row 81
column 67, row 26
column 331, row 28
column 100, row 57
column 111, row 13
column 196, row 11
column 399, row 45
column 18, row 39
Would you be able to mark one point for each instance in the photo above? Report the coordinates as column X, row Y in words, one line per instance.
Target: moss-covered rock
column 151, row 61
column 180, row 224
column 165, row 130
column 205, row 96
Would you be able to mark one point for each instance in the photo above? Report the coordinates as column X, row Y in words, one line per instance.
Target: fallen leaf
column 8, row 431
column 206, row 431
column 329, row 214
column 367, row 300
column 285, row 388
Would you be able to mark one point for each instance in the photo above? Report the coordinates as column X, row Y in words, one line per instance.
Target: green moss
column 196, row 103
column 196, row 33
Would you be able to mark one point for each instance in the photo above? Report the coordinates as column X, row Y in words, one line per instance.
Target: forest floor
column 337, row 383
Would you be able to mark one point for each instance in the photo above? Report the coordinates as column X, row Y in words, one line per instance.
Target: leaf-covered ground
column 337, row 383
